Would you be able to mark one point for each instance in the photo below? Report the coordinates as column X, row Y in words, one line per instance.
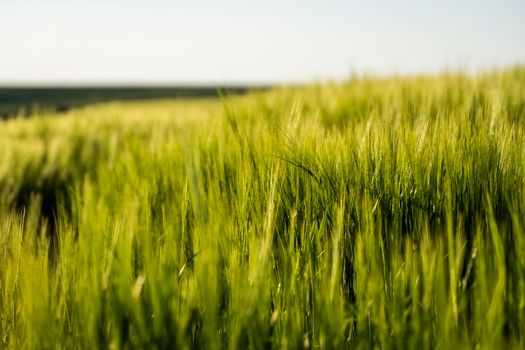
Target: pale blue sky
column 234, row 41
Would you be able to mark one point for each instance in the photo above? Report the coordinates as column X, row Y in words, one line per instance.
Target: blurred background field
column 30, row 99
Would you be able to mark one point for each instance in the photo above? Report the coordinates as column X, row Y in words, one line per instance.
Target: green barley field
column 372, row 214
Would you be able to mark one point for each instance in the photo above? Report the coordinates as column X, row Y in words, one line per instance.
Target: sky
column 60, row 42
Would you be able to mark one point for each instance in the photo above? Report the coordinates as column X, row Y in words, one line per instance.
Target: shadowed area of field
column 26, row 100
